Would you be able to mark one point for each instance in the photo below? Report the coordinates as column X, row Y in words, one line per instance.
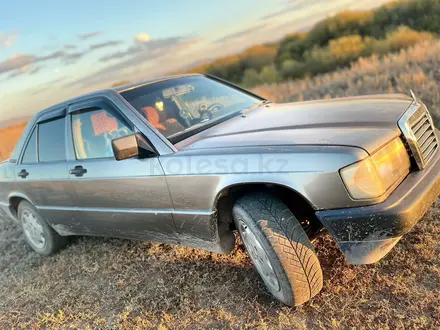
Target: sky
column 51, row 50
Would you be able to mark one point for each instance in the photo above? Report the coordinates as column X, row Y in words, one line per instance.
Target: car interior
column 93, row 132
column 164, row 116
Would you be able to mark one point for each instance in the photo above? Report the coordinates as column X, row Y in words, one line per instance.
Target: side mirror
column 132, row 146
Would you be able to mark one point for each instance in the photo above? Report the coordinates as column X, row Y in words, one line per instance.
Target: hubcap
column 259, row 256
column 33, row 229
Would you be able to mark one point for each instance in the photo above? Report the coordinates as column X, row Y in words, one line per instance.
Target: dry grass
column 8, row 138
column 120, row 284
column 416, row 68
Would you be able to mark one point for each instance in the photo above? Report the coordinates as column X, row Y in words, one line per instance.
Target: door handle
column 23, row 174
column 78, row 171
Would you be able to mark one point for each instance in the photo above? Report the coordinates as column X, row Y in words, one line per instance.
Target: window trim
column 234, row 86
column 52, row 115
column 124, row 94
column 28, row 140
column 98, row 102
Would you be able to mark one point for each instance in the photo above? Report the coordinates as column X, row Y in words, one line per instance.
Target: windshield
column 183, row 106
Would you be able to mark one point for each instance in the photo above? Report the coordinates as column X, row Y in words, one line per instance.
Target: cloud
column 142, row 37
column 35, row 70
column 105, row 44
column 297, row 5
column 241, row 33
column 16, row 62
column 140, row 52
column 20, row 71
column 7, row 39
column 27, row 69
column 54, row 55
column 146, row 45
column 45, row 87
column 157, row 44
column 73, row 57
column 114, row 56
column 21, row 63
column 89, row 35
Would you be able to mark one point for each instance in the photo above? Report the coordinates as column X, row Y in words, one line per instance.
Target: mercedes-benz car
column 191, row 159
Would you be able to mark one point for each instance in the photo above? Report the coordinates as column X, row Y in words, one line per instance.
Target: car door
column 128, row 198
column 41, row 171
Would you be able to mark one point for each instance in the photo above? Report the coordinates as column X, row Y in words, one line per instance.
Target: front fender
column 197, row 178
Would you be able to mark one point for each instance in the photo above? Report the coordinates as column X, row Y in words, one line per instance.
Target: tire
column 279, row 247
column 39, row 230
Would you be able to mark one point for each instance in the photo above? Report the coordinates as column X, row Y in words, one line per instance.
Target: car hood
column 367, row 122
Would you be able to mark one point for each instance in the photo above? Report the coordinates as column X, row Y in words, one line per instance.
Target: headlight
column 373, row 176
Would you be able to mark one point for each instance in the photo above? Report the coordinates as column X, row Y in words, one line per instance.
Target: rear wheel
column 38, row 234
column 279, row 247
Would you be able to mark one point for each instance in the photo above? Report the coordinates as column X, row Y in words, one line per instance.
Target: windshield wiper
column 209, row 123
column 256, row 105
column 200, row 126
column 262, row 103
column 189, row 129
column 265, row 102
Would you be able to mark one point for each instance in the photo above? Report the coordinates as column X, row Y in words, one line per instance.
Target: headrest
column 151, row 114
column 102, row 123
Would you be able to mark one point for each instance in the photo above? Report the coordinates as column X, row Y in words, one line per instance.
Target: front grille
column 417, row 126
column 425, row 137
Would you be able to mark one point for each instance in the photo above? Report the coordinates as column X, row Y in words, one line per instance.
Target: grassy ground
column 120, row 284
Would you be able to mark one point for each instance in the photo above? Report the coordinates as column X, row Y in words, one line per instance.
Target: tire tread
column 289, row 240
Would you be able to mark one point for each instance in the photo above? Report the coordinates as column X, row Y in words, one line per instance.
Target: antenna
column 413, row 95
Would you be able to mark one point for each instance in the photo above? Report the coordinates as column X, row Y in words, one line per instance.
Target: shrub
column 293, row 69
column 342, row 24
column 420, row 15
column 333, row 43
column 291, row 47
column 404, row 37
column 269, row 74
column 251, row 78
column 346, row 49
column 257, row 57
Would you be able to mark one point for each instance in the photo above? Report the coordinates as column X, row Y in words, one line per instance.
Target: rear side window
column 52, row 141
column 30, row 154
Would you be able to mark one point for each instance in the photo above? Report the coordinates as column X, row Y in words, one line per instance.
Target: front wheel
column 279, row 247
column 39, row 235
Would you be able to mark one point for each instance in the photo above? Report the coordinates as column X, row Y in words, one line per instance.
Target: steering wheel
column 185, row 115
column 213, row 108
column 206, row 113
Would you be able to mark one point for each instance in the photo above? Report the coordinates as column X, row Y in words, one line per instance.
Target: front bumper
column 366, row 234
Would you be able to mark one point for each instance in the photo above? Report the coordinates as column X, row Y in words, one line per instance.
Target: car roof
column 118, row 89
column 123, row 88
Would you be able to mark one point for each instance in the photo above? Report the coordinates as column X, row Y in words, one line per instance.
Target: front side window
column 30, row 154
column 178, row 106
column 51, row 141
column 93, row 131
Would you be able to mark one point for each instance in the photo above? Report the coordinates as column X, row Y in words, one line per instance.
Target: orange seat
column 153, row 117
column 102, row 123
column 168, row 126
